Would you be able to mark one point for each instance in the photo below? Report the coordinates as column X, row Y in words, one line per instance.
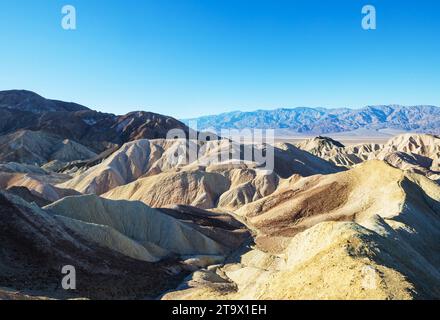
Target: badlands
column 111, row 196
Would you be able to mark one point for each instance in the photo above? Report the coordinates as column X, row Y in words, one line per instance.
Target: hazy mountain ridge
column 421, row 118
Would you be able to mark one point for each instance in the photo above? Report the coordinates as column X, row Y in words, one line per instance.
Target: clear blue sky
column 194, row 57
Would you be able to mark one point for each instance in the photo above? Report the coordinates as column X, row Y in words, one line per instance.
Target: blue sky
column 195, row 57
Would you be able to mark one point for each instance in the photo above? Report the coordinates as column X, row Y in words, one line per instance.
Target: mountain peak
column 24, row 100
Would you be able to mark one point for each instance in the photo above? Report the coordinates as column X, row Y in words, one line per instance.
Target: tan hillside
column 41, row 185
column 372, row 236
column 246, row 186
column 145, row 158
column 15, row 167
column 196, row 188
column 124, row 166
column 421, row 144
column 210, row 188
column 132, row 161
column 372, row 188
column 419, row 153
column 335, row 152
column 141, row 232
column 38, row 147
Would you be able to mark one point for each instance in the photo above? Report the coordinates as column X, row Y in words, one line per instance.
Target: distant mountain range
column 424, row 119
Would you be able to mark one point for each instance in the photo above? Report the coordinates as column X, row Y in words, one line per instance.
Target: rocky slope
column 38, row 148
column 425, row 147
column 335, row 152
column 40, row 183
column 120, row 249
column 36, row 245
column 419, row 153
column 164, row 158
column 372, row 236
column 141, row 232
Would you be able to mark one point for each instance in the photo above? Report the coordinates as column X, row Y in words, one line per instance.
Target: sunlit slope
column 368, row 233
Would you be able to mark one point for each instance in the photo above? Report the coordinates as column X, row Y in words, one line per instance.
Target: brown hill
column 24, row 110
column 24, row 100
